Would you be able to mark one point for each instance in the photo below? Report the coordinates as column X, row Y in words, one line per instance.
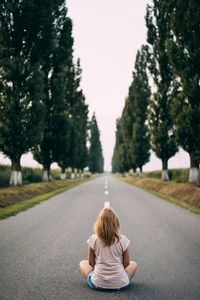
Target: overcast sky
column 107, row 35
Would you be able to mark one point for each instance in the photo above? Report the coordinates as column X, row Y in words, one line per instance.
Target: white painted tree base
column 16, row 178
column 141, row 175
column 72, row 176
column 63, row 176
column 194, row 175
column 45, row 176
column 165, row 175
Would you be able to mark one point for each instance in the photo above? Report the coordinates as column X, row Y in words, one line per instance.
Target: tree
column 79, row 113
column 58, row 69
column 125, row 130
column 140, row 140
column 21, row 80
column 120, row 159
column 184, row 53
column 61, row 115
column 96, row 160
column 161, row 121
column 132, row 139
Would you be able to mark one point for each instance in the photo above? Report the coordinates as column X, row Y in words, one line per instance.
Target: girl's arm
column 91, row 257
column 126, row 258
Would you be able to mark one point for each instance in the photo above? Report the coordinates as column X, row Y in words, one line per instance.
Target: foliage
column 177, row 175
column 57, row 61
column 140, row 142
column 4, row 175
column 96, row 160
column 184, row 52
column 29, row 175
column 79, row 111
column 132, row 138
column 161, row 121
column 65, row 131
column 21, row 78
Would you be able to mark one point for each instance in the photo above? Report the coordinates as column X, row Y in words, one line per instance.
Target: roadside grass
column 16, row 199
column 186, row 195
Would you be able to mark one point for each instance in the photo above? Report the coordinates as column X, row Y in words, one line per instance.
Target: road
column 40, row 248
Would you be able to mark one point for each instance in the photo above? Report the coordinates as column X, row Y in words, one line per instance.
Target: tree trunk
column 141, row 175
column 165, row 175
column 16, row 174
column 47, row 174
column 194, row 174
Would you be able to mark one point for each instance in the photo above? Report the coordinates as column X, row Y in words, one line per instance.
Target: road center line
column 106, row 204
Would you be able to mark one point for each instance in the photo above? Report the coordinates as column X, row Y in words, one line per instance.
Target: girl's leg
column 85, row 268
column 131, row 269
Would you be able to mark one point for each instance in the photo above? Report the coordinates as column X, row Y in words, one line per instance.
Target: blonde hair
column 107, row 226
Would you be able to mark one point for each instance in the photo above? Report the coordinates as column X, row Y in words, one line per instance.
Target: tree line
column 167, row 116
column 42, row 105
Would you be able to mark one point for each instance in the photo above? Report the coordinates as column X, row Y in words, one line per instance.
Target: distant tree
column 132, row 144
column 161, row 121
column 22, row 26
column 126, row 130
column 81, row 122
column 140, row 139
column 120, row 159
column 184, row 53
column 96, row 160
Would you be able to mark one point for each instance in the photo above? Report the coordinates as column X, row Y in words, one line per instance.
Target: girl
column 108, row 265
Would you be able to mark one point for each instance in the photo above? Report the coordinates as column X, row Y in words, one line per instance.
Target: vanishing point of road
column 40, row 248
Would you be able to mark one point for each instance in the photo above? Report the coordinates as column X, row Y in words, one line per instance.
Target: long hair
column 107, row 226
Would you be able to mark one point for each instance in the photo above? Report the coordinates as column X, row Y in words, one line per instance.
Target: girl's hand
column 126, row 258
column 91, row 257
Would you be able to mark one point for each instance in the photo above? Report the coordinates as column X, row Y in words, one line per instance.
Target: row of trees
column 96, row 160
column 173, row 62
column 132, row 148
column 42, row 106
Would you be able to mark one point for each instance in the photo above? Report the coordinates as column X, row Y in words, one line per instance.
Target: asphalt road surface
column 40, row 248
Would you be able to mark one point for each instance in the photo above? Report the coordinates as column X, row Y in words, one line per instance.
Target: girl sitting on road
column 108, row 265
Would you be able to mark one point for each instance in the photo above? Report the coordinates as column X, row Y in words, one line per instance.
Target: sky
column 107, row 35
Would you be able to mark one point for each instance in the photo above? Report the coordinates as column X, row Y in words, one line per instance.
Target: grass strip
column 27, row 203
column 171, row 199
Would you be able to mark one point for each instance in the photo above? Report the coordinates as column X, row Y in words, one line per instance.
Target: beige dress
column 109, row 270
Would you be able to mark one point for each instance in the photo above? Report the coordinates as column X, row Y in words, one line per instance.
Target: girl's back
column 109, row 270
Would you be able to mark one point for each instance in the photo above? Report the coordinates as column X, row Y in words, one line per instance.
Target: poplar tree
column 120, row 159
column 140, row 139
column 161, row 121
column 96, row 160
column 184, row 53
column 58, row 67
column 61, row 115
column 22, row 25
column 125, row 130
column 79, row 113
column 132, row 147
column 81, row 122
